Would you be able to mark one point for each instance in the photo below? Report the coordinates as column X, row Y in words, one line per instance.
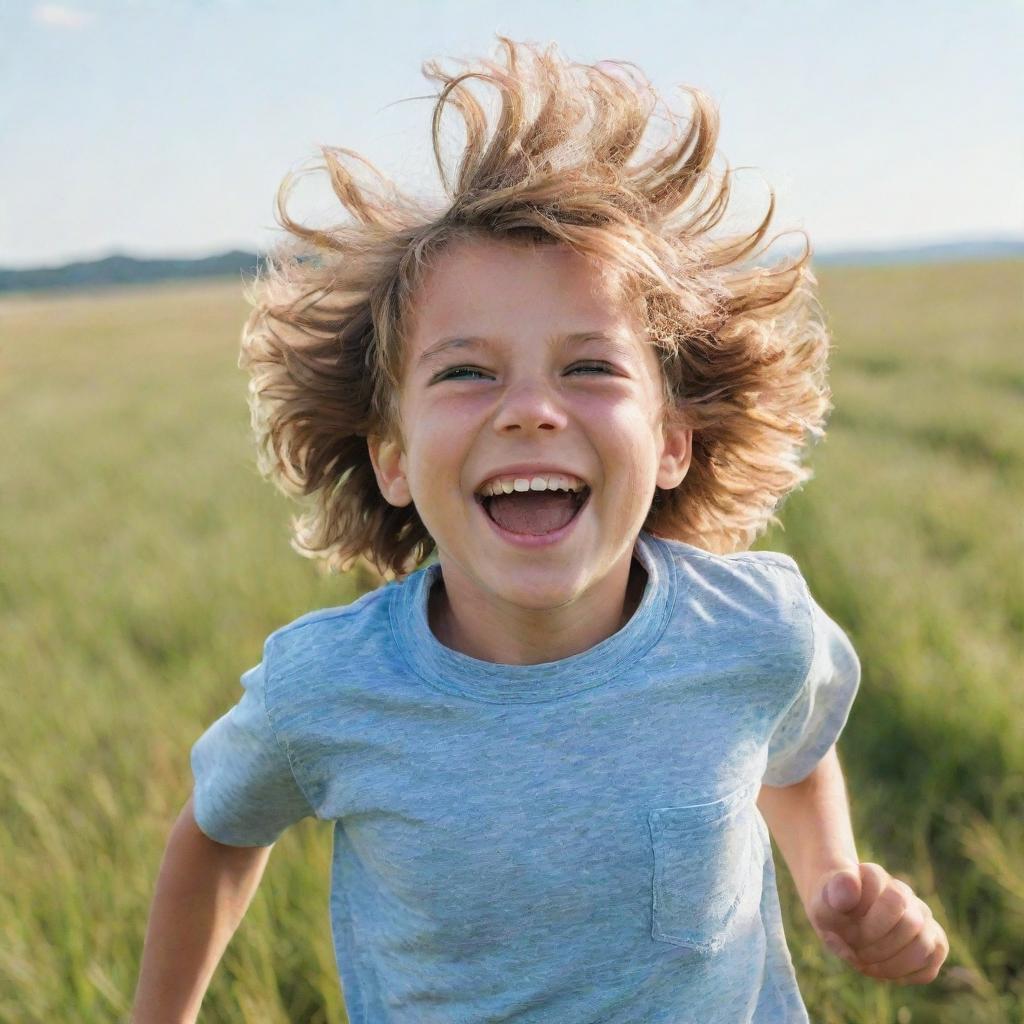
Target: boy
column 547, row 754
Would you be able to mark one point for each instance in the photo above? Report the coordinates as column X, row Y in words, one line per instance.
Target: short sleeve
column 816, row 718
column 246, row 793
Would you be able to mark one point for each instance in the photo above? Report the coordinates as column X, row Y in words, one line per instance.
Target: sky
column 164, row 129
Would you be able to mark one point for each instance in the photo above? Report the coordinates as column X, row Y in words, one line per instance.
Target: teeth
column 554, row 482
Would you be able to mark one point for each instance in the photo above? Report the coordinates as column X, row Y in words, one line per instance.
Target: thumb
column 842, row 890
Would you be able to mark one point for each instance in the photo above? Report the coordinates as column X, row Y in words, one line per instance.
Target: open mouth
column 533, row 513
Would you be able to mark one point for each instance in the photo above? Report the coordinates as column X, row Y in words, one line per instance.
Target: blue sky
column 165, row 128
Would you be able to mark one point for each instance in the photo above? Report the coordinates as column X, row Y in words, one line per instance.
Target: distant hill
column 126, row 270
column 943, row 252
column 120, row 269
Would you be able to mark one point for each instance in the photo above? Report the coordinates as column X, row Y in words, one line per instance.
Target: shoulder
column 339, row 617
column 320, row 656
column 757, row 577
column 748, row 607
column 321, row 635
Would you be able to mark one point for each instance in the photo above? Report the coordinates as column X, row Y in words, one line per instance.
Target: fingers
column 896, row 919
column 847, row 923
column 840, row 948
column 890, row 935
column 908, row 959
column 918, row 963
column 928, row 973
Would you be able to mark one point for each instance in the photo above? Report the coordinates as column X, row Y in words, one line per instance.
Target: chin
column 536, row 594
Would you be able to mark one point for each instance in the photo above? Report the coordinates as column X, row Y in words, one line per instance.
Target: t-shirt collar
column 456, row 673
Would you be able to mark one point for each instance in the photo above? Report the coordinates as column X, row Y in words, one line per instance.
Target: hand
column 878, row 926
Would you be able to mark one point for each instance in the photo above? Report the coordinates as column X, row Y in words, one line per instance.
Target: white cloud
column 60, row 16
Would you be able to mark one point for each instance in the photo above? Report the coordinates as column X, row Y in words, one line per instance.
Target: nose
column 529, row 406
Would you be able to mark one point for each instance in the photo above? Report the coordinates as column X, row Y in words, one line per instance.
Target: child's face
column 525, row 395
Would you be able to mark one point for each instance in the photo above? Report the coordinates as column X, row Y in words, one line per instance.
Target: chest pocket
column 708, row 869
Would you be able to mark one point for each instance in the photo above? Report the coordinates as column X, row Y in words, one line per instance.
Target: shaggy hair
column 743, row 348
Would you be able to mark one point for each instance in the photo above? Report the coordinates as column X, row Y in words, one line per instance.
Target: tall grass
column 143, row 561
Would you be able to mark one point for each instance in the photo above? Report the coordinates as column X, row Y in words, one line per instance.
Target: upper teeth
column 508, row 484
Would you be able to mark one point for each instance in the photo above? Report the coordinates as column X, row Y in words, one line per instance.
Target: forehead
column 484, row 285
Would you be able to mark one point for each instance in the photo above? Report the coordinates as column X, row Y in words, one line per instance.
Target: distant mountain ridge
column 123, row 269
column 120, row 269
column 940, row 252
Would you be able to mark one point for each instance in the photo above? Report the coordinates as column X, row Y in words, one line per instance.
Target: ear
column 675, row 456
column 388, row 461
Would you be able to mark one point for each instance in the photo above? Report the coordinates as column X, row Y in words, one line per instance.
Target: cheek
column 634, row 443
column 627, row 426
column 437, row 450
column 452, row 411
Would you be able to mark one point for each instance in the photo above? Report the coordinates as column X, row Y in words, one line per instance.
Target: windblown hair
column 743, row 348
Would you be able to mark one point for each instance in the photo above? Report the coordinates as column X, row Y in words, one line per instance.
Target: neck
column 534, row 637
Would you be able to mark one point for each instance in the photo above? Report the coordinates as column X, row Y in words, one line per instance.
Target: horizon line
column 841, row 249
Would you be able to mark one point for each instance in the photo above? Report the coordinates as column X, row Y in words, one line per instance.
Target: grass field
column 143, row 562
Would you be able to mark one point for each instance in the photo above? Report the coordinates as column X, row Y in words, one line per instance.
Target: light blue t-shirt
column 574, row 842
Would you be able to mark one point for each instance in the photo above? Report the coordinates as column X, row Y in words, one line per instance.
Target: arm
column 202, row 893
column 810, row 822
column 875, row 922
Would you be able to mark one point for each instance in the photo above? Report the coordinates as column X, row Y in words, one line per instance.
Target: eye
column 602, row 367
column 447, row 374
column 461, row 371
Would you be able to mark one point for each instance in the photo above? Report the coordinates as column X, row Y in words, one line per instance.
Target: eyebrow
column 479, row 342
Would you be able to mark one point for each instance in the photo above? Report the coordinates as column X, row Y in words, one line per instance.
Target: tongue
column 533, row 512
